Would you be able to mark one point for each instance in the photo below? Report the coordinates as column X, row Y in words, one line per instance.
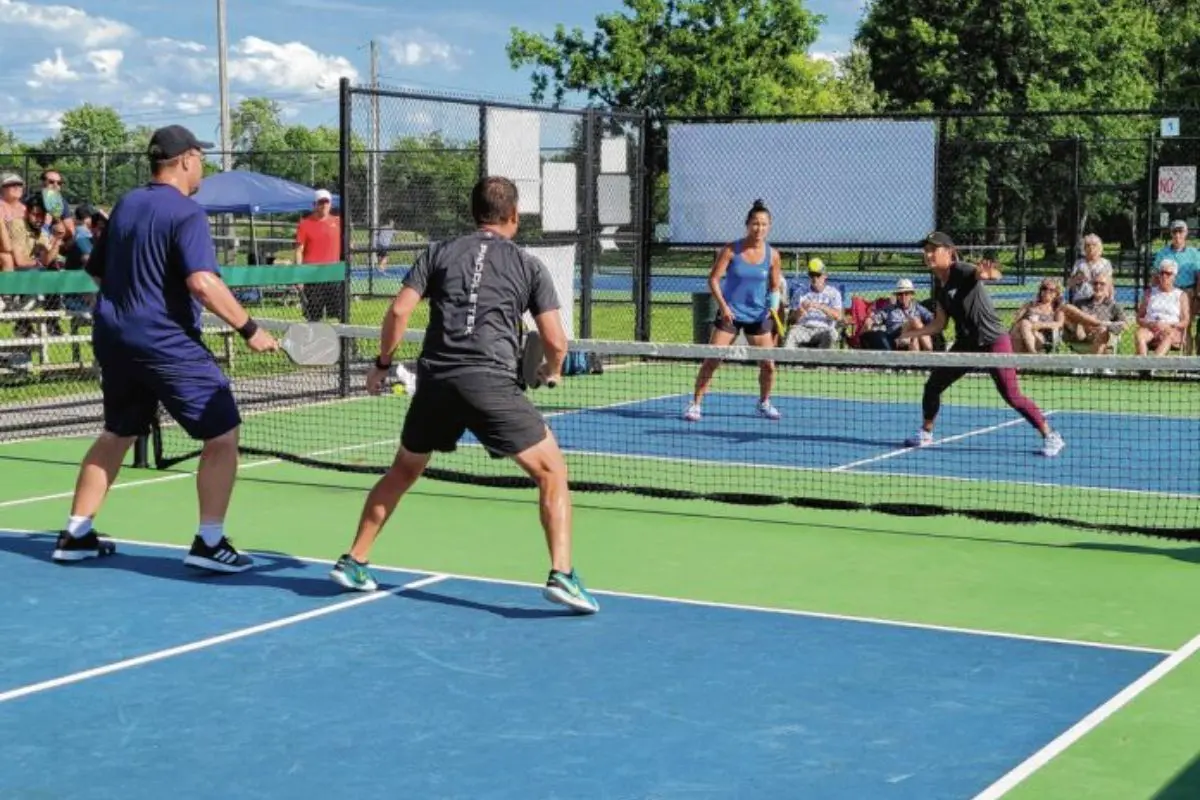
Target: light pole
column 223, row 78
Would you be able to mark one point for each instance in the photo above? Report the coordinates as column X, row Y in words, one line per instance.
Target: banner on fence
column 1176, row 185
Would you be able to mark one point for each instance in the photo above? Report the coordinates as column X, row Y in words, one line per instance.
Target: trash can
column 704, row 311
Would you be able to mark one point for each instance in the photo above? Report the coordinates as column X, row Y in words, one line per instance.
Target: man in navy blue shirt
column 156, row 268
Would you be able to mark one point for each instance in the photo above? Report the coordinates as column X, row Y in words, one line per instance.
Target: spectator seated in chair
column 1094, row 324
column 1039, row 323
column 815, row 315
column 889, row 321
column 1163, row 314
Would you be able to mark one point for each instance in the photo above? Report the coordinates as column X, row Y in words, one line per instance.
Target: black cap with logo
column 173, row 141
column 937, row 239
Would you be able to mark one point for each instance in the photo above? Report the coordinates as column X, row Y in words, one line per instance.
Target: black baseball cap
column 172, row 141
column 937, row 239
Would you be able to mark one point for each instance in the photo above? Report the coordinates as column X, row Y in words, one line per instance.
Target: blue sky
column 157, row 66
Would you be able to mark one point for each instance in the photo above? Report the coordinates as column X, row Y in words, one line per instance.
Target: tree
column 1015, row 56
column 675, row 57
column 91, row 129
column 294, row 152
column 9, row 143
column 425, row 185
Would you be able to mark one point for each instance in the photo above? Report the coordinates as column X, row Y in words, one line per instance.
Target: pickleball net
column 1131, row 462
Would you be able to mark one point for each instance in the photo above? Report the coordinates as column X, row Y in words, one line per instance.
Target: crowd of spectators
column 1084, row 316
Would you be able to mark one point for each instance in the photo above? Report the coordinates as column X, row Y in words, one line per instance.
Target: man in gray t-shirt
column 478, row 287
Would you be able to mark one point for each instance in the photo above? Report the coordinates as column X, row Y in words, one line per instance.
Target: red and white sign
column 1176, row 185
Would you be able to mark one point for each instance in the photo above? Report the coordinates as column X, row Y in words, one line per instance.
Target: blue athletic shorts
column 194, row 392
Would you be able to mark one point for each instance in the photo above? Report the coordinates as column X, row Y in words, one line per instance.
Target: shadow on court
column 168, row 565
column 1184, row 786
column 507, row 612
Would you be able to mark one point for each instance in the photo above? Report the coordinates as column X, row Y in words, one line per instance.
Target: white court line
column 687, row 601
column 1089, row 723
column 936, row 443
column 181, row 475
column 160, row 655
column 272, row 461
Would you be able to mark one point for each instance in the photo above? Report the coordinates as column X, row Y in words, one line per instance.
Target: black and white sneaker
column 224, row 557
column 69, row 548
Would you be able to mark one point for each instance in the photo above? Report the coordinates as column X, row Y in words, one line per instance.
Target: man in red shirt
column 319, row 241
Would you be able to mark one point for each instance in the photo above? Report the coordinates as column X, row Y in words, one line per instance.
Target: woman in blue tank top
column 746, row 281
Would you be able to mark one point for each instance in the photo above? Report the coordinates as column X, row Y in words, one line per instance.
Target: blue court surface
column 474, row 689
column 1104, row 451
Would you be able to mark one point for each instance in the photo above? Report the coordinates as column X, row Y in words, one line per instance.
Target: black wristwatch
column 380, row 365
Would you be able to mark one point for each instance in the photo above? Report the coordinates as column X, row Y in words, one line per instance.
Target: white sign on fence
column 1176, row 185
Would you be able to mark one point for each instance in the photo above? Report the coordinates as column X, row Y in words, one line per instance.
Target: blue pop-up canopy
column 243, row 192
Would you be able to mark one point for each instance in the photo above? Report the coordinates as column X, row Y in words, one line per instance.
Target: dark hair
column 493, row 200
column 758, row 206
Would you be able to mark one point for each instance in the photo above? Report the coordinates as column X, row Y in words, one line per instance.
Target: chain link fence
column 411, row 160
column 858, row 192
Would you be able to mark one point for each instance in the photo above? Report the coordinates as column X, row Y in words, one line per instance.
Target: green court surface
column 1037, row 581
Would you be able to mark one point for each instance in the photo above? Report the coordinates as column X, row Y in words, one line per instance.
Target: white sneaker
column 765, row 409
column 1052, row 445
column 692, row 414
column 921, row 438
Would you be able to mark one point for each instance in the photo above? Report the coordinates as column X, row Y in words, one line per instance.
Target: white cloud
column 52, row 70
column 193, row 103
column 63, row 22
column 106, row 63
column 167, row 43
column 43, row 119
column 292, row 66
column 419, row 48
column 150, row 80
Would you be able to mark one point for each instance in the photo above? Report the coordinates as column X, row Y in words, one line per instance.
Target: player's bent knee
column 543, row 461
column 407, row 467
column 226, row 441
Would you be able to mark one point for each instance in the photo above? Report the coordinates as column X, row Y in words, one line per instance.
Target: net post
column 141, row 450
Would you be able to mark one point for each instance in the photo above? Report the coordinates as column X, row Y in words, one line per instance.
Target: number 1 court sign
column 1176, row 185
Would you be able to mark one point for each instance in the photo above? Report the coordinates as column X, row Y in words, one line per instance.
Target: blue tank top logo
column 745, row 286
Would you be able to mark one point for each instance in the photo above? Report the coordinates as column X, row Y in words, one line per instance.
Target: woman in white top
column 1093, row 265
column 1163, row 313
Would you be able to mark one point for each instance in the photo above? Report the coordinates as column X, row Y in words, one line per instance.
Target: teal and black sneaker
column 567, row 589
column 353, row 574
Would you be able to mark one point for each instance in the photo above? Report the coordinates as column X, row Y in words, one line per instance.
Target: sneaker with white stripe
column 224, row 557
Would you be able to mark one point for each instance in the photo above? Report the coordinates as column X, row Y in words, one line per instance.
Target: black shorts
column 763, row 326
column 489, row 405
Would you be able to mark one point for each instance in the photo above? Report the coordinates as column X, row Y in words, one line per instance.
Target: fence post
column 1141, row 272
column 587, row 256
column 345, row 111
column 483, row 141
column 1077, row 209
column 642, row 292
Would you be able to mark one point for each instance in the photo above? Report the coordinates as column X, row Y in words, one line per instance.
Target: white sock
column 78, row 527
column 211, row 532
